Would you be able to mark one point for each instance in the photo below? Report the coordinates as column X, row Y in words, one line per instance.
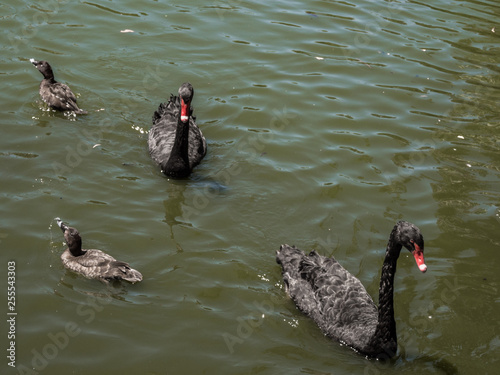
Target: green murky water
column 326, row 123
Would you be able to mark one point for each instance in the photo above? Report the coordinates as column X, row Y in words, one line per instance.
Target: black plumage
column 175, row 142
column 57, row 95
column 93, row 264
column 338, row 302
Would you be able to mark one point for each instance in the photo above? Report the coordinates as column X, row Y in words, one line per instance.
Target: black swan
column 175, row 141
column 93, row 264
column 338, row 302
column 57, row 95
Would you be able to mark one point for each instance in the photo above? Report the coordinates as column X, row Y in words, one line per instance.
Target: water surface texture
column 326, row 122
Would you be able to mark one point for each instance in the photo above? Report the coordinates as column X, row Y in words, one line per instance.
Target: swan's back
column 162, row 135
column 59, row 96
column 330, row 295
column 95, row 264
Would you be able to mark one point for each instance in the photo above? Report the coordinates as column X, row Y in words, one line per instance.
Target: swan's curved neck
column 75, row 248
column 385, row 333
column 179, row 159
column 48, row 74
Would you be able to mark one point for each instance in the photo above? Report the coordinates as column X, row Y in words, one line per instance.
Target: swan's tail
column 289, row 257
column 296, row 285
column 132, row 276
column 80, row 111
column 122, row 271
column 127, row 273
column 167, row 109
column 313, row 266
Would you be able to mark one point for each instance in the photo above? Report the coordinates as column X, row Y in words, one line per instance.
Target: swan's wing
column 197, row 144
column 65, row 91
column 59, row 96
column 162, row 135
column 91, row 264
column 161, row 139
column 347, row 310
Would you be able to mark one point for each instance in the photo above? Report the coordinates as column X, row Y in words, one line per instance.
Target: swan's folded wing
column 121, row 270
column 161, row 140
column 342, row 299
column 65, row 91
column 92, row 264
column 197, row 144
column 59, row 96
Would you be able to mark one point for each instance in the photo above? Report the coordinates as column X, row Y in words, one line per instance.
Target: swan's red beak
column 419, row 258
column 184, row 111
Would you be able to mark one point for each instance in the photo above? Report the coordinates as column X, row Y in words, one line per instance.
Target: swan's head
column 410, row 237
column 186, row 93
column 43, row 67
column 71, row 236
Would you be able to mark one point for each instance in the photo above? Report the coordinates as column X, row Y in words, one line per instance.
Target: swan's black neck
column 75, row 246
column 48, row 74
column 50, row 80
column 178, row 162
column 385, row 338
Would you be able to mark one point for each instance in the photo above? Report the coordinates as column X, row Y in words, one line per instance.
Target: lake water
column 326, row 122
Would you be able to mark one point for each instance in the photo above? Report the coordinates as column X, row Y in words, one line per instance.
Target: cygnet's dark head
column 186, row 93
column 44, row 68
column 71, row 236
